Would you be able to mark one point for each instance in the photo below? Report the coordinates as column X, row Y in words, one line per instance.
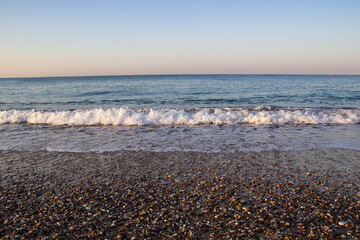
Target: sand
column 180, row 195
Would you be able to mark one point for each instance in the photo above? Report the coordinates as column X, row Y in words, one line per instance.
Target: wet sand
column 180, row 195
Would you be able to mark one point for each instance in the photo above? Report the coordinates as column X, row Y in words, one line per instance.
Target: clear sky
column 88, row 37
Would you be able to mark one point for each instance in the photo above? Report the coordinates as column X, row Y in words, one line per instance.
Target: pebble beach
column 313, row 194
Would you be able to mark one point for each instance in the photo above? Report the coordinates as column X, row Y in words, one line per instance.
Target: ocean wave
column 140, row 117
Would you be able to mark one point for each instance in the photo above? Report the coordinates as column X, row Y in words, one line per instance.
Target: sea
column 200, row 113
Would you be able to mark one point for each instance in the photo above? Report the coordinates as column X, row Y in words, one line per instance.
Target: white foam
column 129, row 117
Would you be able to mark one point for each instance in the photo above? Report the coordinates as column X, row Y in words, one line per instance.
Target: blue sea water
column 208, row 113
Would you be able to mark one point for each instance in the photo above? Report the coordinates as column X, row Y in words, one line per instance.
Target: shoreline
column 143, row 194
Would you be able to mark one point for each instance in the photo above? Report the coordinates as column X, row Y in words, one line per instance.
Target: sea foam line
column 129, row 117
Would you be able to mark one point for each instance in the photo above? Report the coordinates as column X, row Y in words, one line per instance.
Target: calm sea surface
column 208, row 113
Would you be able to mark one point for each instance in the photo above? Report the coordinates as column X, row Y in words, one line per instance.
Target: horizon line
column 178, row 74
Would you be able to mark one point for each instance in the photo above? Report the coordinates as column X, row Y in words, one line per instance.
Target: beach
column 219, row 156
column 180, row 195
column 179, row 120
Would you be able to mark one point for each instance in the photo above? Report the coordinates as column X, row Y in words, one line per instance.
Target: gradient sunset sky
column 88, row 37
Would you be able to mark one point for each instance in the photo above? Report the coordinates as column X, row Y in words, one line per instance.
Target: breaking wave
column 140, row 117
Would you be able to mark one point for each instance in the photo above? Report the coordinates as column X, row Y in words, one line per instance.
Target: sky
column 88, row 37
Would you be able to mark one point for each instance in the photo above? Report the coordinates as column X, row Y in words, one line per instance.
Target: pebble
column 342, row 223
column 193, row 200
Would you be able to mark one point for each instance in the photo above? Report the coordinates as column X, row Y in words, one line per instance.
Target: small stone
column 72, row 228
